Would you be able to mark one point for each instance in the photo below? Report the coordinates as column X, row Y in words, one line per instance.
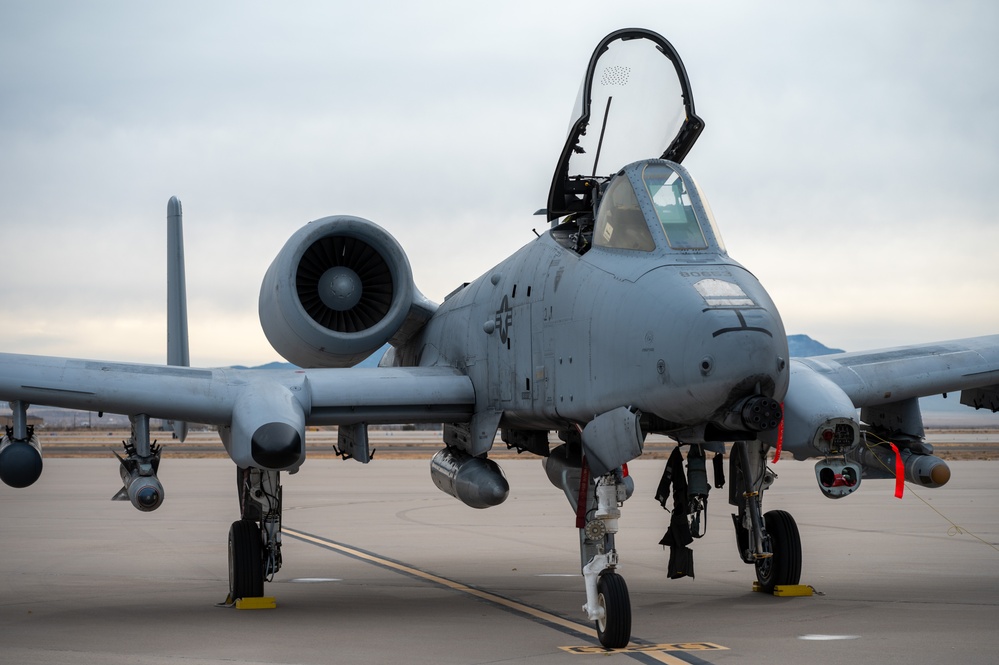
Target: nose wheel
column 614, row 627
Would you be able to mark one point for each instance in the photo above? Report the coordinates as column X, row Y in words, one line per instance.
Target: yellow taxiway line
column 657, row 652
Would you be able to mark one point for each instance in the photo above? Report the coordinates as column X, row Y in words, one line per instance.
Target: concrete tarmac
column 386, row 569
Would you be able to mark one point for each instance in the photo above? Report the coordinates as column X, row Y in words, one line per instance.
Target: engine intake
column 339, row 289
column 344, row 284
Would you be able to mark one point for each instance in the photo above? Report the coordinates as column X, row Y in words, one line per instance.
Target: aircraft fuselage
column 552, row 336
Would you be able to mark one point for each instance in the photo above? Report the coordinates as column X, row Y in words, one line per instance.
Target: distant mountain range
column 803, row 346
column 370, row 361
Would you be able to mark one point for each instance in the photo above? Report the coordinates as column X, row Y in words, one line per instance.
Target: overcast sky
column 851, row 153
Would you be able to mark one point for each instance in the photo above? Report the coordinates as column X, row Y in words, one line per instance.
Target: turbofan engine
column 339, row 289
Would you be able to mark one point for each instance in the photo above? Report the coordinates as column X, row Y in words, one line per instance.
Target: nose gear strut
column 607, row 600
column 597, row 503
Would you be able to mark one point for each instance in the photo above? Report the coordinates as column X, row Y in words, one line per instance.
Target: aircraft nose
column 738, row 363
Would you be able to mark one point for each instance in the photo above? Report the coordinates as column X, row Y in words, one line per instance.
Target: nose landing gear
column 607, row 600
column 597, row 504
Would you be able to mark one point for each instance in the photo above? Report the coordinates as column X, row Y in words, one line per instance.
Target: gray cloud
column 850, row 153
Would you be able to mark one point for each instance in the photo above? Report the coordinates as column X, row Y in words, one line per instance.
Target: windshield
column 620, row 222
column 673, row 207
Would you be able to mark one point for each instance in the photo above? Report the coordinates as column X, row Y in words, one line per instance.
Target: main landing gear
column 255, row 539
column 768, row 541
column 597, row 504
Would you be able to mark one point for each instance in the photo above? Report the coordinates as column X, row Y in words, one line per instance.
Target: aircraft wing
column 824, row 393
column 241, row 401
column 873, row 378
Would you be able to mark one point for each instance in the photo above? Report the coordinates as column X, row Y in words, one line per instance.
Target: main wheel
column 784, row 567
column 614, row 630
column 246, row 567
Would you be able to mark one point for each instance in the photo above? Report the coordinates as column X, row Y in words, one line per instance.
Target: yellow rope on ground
column 955, row 528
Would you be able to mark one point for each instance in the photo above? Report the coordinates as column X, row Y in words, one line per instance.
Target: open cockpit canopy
column 634, row 103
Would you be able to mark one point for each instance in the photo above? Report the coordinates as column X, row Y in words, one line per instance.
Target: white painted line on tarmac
column 826, row 638
column 642, row 652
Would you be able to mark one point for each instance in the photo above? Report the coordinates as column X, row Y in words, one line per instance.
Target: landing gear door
column 634, row 103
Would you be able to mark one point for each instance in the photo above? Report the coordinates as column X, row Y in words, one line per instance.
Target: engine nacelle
column 20, row 461
column 339, row 289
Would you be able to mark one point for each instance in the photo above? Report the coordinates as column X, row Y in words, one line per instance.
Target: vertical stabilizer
column 177, row 345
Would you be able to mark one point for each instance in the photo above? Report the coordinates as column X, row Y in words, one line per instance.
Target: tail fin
column 178, row 352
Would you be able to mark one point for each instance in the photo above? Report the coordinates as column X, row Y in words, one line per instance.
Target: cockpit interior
column 647, row 205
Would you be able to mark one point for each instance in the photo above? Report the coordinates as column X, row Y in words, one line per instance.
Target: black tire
column 784, row 567
column 246, row 564
column 614, row 630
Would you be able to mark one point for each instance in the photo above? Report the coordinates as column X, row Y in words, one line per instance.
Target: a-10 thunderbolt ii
column 626, row 317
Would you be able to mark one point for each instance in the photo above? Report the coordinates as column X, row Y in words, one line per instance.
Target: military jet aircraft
column 626, row 317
